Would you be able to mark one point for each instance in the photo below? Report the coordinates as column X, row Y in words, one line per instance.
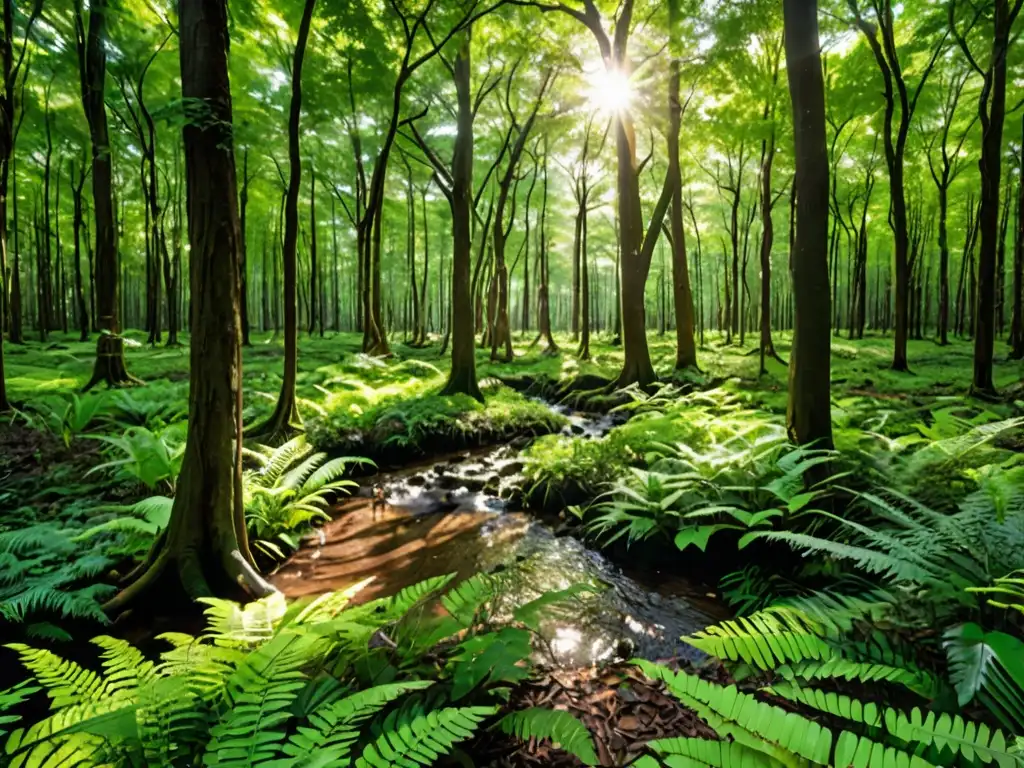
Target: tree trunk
column 1017, row 318
column 243, row 265
column 205, row 546
column 462, row 376
column 424, row 307
column 83, row 310
column 991, row 110
column 92, row 59
column 313, row 270
column 285, row 419
column 686, row 350
column 809, row 414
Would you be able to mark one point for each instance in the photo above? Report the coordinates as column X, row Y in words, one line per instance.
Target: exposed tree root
column 169, row 573
column 282, row 425
column 110, row 367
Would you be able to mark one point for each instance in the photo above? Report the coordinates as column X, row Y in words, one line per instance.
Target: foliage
column 272, row 684
column 869, row 735
column 152, row 459
column 290, row 489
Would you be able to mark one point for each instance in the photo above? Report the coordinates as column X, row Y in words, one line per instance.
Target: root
column 282, row 425
column 110, row 367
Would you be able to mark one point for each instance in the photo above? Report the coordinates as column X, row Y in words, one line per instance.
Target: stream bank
column 463, row 513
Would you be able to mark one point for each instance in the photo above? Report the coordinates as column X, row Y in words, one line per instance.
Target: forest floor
column 558, row 462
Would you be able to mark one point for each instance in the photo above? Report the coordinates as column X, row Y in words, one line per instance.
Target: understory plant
column 322, row 682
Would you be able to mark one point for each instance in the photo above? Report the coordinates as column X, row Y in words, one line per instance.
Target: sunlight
column 609, row 90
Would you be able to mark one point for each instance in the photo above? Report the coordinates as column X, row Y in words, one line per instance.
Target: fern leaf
column 696, row 753
column 335, row 726
column 411, row 738
column 765, row 639
column 561, row 728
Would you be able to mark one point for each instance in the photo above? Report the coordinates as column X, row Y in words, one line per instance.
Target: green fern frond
column 259, row 697
column 561, row 728
column 765, row 639
column 945, row 732
column 866, row 672
column 335, row 726
column 413, row 738
column 464, row 600
column 66, row 682
column 699, row 753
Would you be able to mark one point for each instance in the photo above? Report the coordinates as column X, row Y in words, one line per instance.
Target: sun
column 609, row 90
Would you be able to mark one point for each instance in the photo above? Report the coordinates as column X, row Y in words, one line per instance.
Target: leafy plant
column 291, row 489
column 152, row 459
column 66, row 417
column 277, row 685
column 767, row 734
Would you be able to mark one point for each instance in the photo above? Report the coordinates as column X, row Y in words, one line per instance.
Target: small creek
column 451, row 516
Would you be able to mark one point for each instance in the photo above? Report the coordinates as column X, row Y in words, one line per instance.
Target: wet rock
column 416, row 480
column 445, row 481
column 576, row 429
column 492, row 484
column 440, row 468
column 512, row 468
column 473, row 484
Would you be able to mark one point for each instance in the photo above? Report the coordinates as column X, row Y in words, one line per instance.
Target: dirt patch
column 621, row 708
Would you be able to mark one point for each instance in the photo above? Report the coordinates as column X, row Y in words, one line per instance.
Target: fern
column 559, row 727
column 989, row 667
column 336, row 725
column 412, row 737
column 765, row 639
column 698, row 753
column 792, row 739
column 944, row 732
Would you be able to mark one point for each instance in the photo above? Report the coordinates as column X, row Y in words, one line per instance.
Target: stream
column 452, row 516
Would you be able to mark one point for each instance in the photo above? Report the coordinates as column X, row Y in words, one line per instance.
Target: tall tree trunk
column 285, row 419
column 313, row 269
column 543, row 293
column 1017, row 318
column 808, row 415
column 424, row 307
column 243, row 265
column 83, row 310
column 686, row 350
column 205, row 548
column 462, row 376
column 991, row 111
column 92, row 59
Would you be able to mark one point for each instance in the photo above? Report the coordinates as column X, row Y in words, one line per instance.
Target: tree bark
column 462, row 376
column 92, row 60
column 205, row 548
column 285, row 419
column 1017, row 318
column 686, row 350
column 809, row 412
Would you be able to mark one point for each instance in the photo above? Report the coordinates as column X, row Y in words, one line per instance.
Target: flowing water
column 451, row 516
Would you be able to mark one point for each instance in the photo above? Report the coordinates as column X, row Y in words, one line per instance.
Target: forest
column 512, row 383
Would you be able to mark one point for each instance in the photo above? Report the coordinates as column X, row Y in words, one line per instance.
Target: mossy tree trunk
column 285, row 419
column 205, row 547
column 808, row 416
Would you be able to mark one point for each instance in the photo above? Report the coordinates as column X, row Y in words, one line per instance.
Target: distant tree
column 991, row 113
column 285, row 418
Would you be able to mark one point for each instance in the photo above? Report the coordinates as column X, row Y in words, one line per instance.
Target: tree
column 462, row 376
column 949, row 168
column 895, row 87
column 686, row 348
column 91, row 47
column 11, row 68
column 636, row 243
column 808, row 415
column 991, row 113
column 1017, row 319
column 205, row 546
column 285, row 418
